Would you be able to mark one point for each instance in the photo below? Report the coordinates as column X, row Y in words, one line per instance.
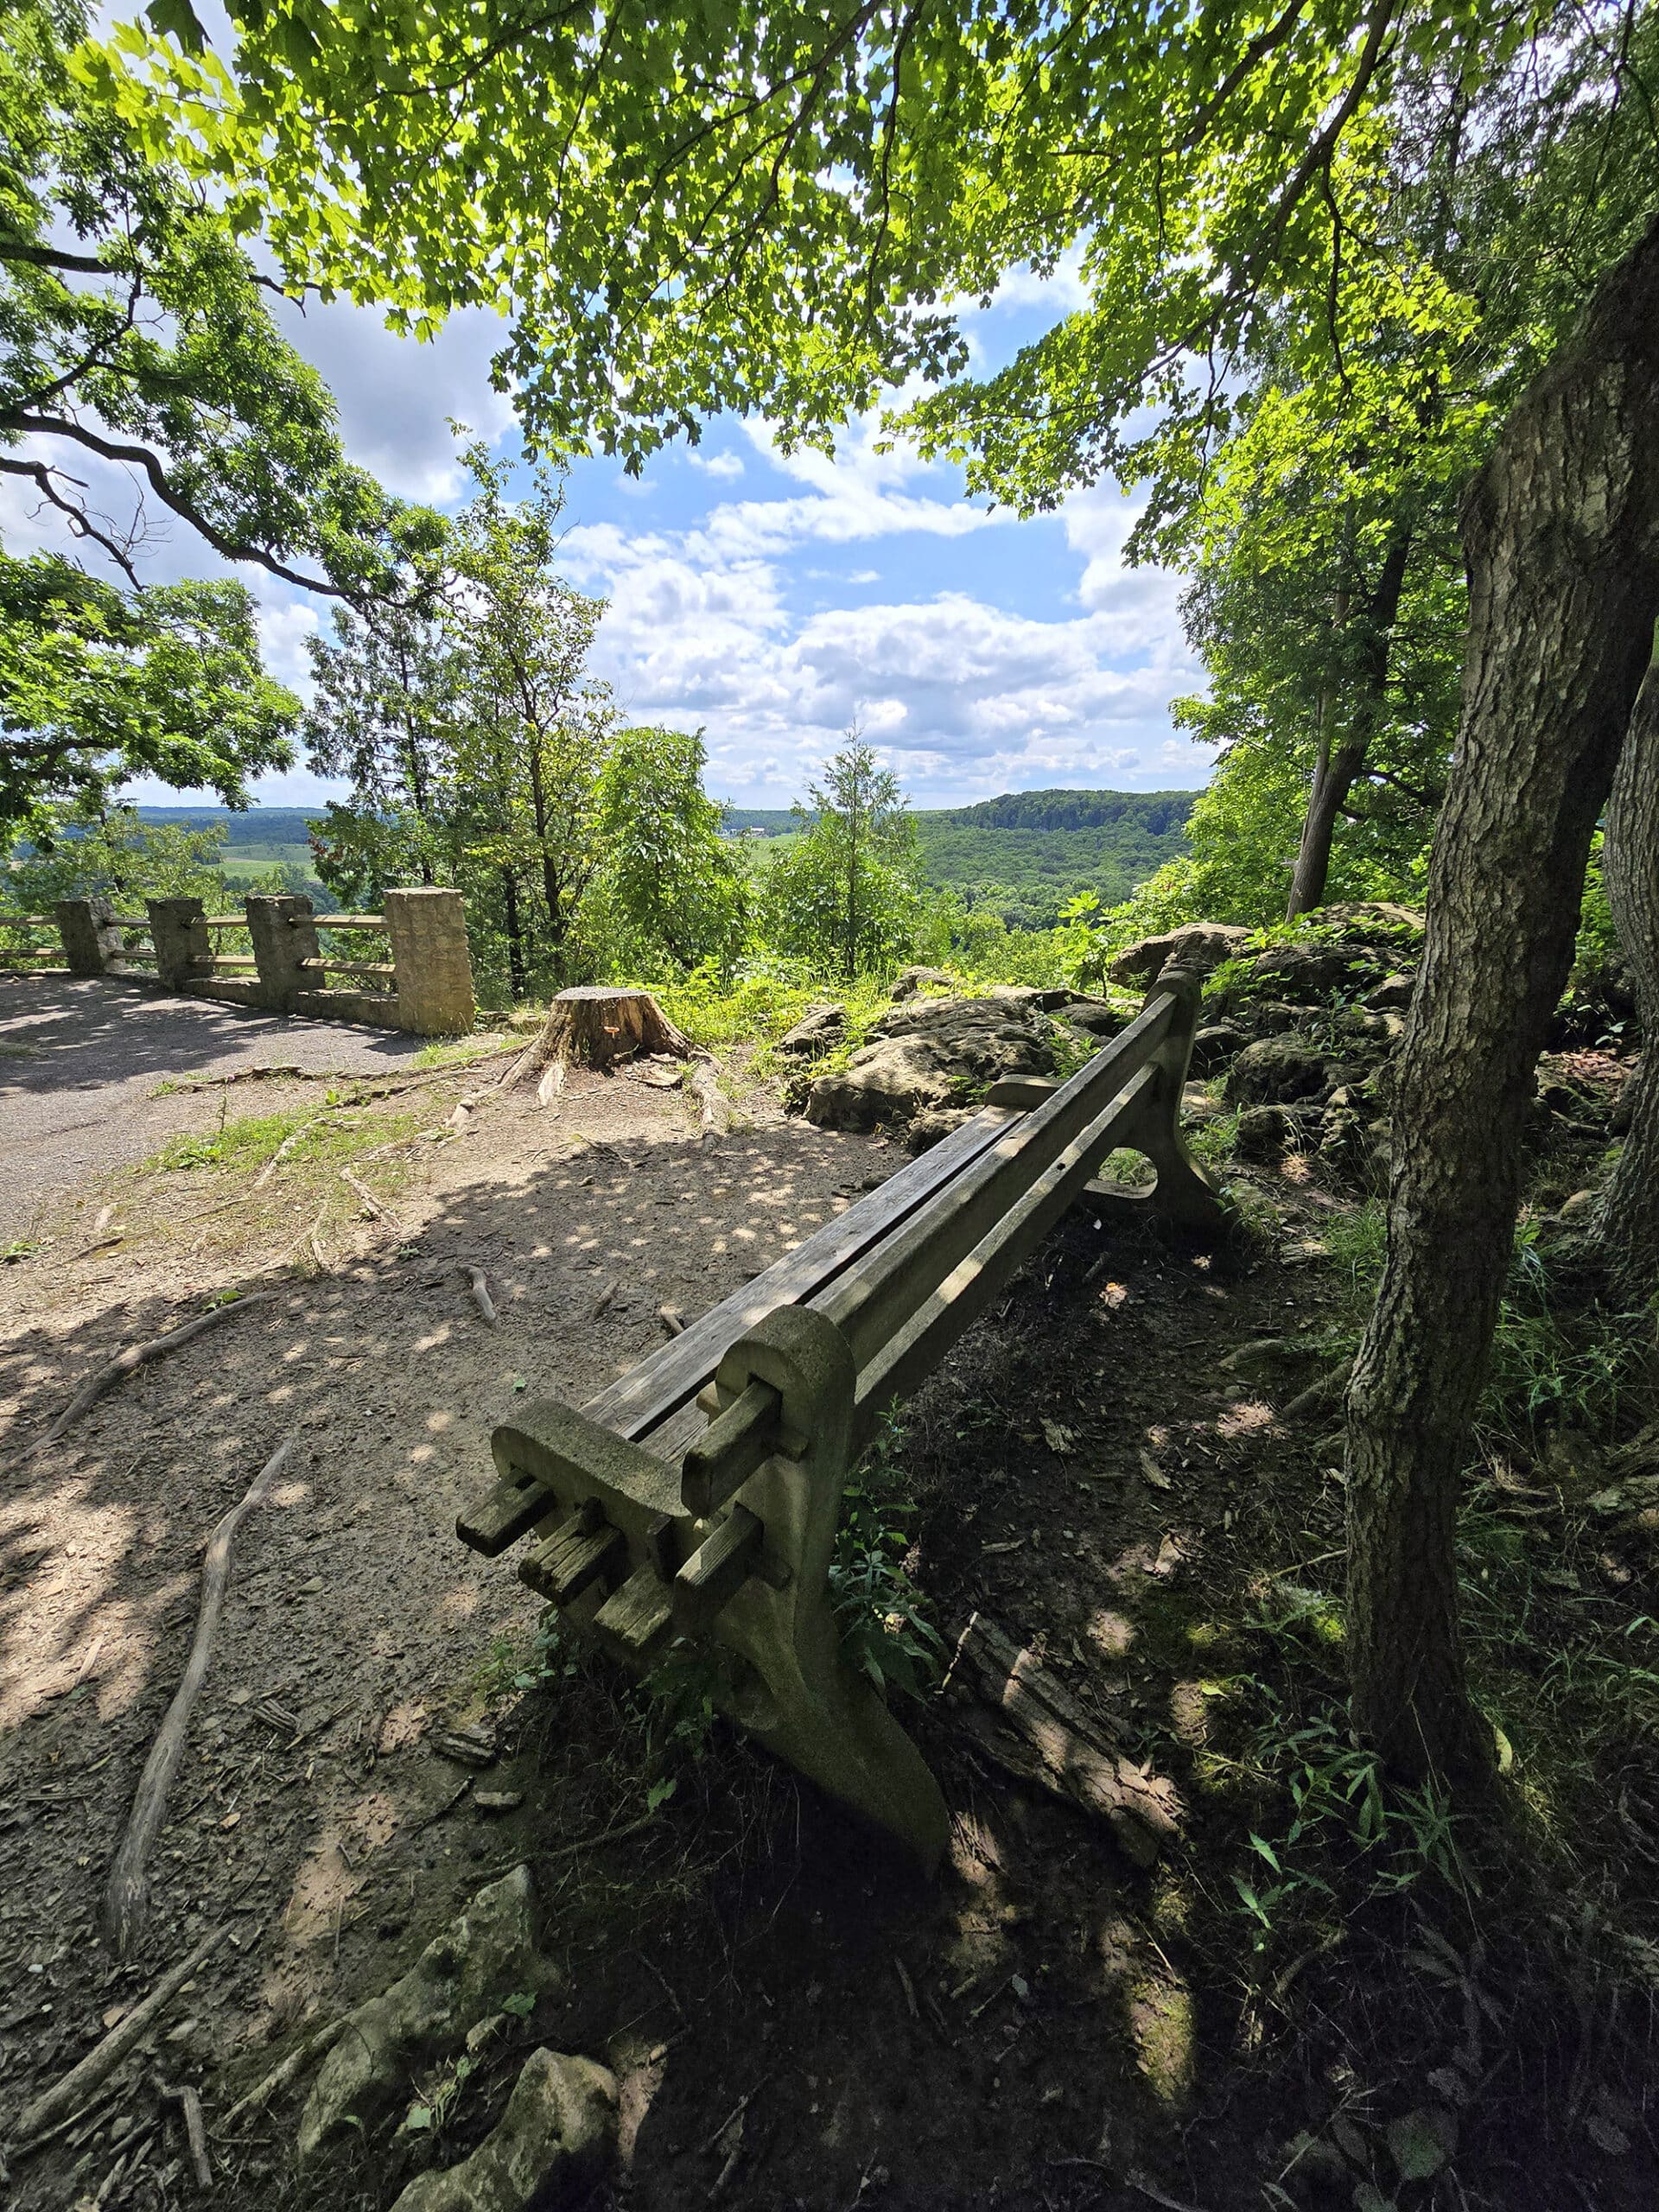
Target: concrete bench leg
column 1185, row 1197
column 803, row 1701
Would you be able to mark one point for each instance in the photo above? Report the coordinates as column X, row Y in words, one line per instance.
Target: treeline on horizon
column 1022, row 855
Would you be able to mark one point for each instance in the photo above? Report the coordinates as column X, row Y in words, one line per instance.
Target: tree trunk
column 599, row 1027
column 1561, row 535
column 1627, row 1220
column 1335, row 773
column 515, row 976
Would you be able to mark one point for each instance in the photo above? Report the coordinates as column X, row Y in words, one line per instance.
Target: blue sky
column 771, row 599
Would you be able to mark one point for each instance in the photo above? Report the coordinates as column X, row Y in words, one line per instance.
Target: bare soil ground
column 795, row 2018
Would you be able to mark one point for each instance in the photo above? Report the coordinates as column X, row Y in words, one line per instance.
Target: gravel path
column 80, row 1060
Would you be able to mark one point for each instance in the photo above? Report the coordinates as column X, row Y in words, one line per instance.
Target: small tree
column 384, row 695
column 846, row 893
column 534, row 728
column 668, row 882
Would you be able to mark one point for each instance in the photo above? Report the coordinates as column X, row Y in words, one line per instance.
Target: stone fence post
column 184, row 947
column 92, row 939
column 427, row 931
column 283, row 934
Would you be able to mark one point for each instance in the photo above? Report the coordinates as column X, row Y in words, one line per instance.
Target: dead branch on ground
column 126, row 1896
column 78, row 2085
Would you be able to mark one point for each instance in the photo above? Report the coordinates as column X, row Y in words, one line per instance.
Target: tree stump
column 598, row 1027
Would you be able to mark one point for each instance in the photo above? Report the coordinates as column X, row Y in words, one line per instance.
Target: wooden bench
column 698, row 1496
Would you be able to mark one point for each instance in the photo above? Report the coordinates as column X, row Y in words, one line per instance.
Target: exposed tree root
column 137, row 1356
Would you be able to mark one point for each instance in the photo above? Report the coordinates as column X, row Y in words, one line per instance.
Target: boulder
column 483, row 1956
column 1267, row 1132
column 1214, row 1046
column 1195, row 945
column 1306, row 973
column 934, row 1123
column 819, row 1030
column 911, row 980
column 549, row 2147
column 1275, row 1070
column 1096, row 1017
column 1374, row 921
column 935, row 1054
column 1391, row 995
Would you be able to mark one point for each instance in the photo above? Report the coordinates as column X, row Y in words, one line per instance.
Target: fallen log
column 1032, row 1727
column 78, row 2085
column 137, row 1356
column 126, row 1895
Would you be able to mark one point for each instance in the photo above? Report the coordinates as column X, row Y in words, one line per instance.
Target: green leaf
column 177, row 19
column 659, row 1793
column 1415, row 2145
column 521, row 2004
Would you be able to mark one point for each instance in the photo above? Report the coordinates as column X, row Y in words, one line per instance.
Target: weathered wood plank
column 634, row 1621
column 572, row 1559
column 672, row 1375
column 898, row 1364
column 1038, row 1731
column 871, row 1301
column 714, row 1572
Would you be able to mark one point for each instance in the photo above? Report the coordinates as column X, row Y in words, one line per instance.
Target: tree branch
column 80, row 523
column 139, row 457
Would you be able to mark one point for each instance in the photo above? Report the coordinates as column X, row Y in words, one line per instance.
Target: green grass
column 251, row 1140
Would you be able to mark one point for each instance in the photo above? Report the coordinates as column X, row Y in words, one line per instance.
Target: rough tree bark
column 597, row 1027
column 1338, row 769
column 1627, row 1220
column 1560, row 534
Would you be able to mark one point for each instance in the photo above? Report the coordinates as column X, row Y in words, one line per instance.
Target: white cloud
column 716, row 464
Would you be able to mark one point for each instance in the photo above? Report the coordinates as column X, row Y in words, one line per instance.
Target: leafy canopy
column 780, row 209
column 97, row 685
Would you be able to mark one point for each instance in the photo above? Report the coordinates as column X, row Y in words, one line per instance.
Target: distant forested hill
column 1025, row 854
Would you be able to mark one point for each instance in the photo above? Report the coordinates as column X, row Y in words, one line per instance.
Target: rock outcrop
column 930, row 1055
column 548, row 2149
column 1195, row 945
column 483, row 1956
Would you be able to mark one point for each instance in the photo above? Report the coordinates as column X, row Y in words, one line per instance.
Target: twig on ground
column 672, row 1319
column 735, row 2114
column 75, row 2088
column 137, row 1356
column 189, row 2103
column 606, row 1294
column 126, row 1895
column 287, row 2071
column 285, row 1148
column 481, row 1288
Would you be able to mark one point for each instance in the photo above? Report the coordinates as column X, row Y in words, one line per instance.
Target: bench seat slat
column 871, row 1301
column 912, row 1353
column 658, row 1387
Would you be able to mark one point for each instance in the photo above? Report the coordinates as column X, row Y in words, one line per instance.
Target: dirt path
column 80, row 1062
column 1102, row 1466
column 354, row 1612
